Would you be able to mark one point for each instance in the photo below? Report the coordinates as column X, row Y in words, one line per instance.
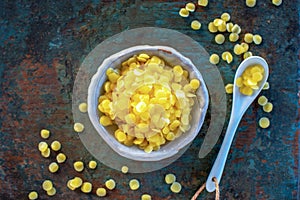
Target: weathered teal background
column 42, row 46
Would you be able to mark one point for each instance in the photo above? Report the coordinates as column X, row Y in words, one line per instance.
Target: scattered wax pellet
column 86, row 187
column 78, row 127
column 184, row 12
column 124, row 169
column 219, row 38
column 92, row 164
column 227, row 56
column 195, row 25
column 33, row 195
column 247, row 54
column 266, row 86
column 134, row 184
column 218, row 22
column 190, row 7
column 51, row 192
column 238, row 49
column 53, row 167
column 170, row 178
column 61, row 158
column 248, row 37
column 175, row 187
column 229, row 27
column 264, row 122
column 233, row 37
column 105, row 120
column 101, row 192
column 250, row 3
column 47, row 185
column 69, row 186
column 257, row 39
column 262, row 100
column 236, row 29
column 46, row 153
column 214, row 59
column 268, row 107
column 110, row 184
column 83, row 107
column 43, row 146
column 277, row 2
column 55, row 145
column 146, row 197
column 245, row 46
column 225, row 17
column 202, row 3
column 78, row 166
column 76, row 182
column 212, row 28
column 229, row 88
column 45, row 133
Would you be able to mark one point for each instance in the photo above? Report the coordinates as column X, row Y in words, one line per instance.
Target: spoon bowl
column 240, row 104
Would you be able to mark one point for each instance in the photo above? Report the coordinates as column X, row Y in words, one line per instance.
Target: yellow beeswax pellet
column 214, row 59
column 170, row 178
column 238, row 49
column 51, row 192
column 47, row 185
column 134, row 184
column 239, row 82
column 184, row 12
column 83, row 107
column 247, row 54
column 78, row 166
column 42, row 146
column 219, row 38
column 268, row 107
column 203, row 3
column 277, row 2
column 178, row 70
column 113, row 77
column 78, row 127
column 257, row 39
column 33, row 195
column 195, row 25
column 218, row 22
column 53, row 167
column 233, row 37
column 245, row 46
column 266, row 86
column 92, row 164
column 225, row 16
column 248, row 37
column 229, row 88
column 250, row 3
column 222, row 27
column 124, row 169
column 246, row 90
column 229, row 27
column 105, row 121
column 176, row 187
column 227, row 56
column 146, row 197
column 61, row 158
column 45, row 133
column 101, row 192
column 262, row 100
column 110, row 184
column 55, row 145
column 46, row 153
column 236, row 29
column 264, row 122
column 69, row 186
column 109, row 71
column 86, row 187
column 212, row 28
column 195, row 84
column 76, row 182
column 190, row 7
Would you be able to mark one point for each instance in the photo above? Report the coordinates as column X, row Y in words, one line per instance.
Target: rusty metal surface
column 42, row 46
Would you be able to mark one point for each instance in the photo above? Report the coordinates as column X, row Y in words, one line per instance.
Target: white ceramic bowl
column 172, row 57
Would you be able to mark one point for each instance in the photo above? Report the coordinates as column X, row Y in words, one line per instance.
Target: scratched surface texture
column 43, row 43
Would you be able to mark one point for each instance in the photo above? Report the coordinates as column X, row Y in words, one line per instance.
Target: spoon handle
column 220, row 161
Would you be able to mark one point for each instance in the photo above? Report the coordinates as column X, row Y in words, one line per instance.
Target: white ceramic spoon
column 240, row 104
